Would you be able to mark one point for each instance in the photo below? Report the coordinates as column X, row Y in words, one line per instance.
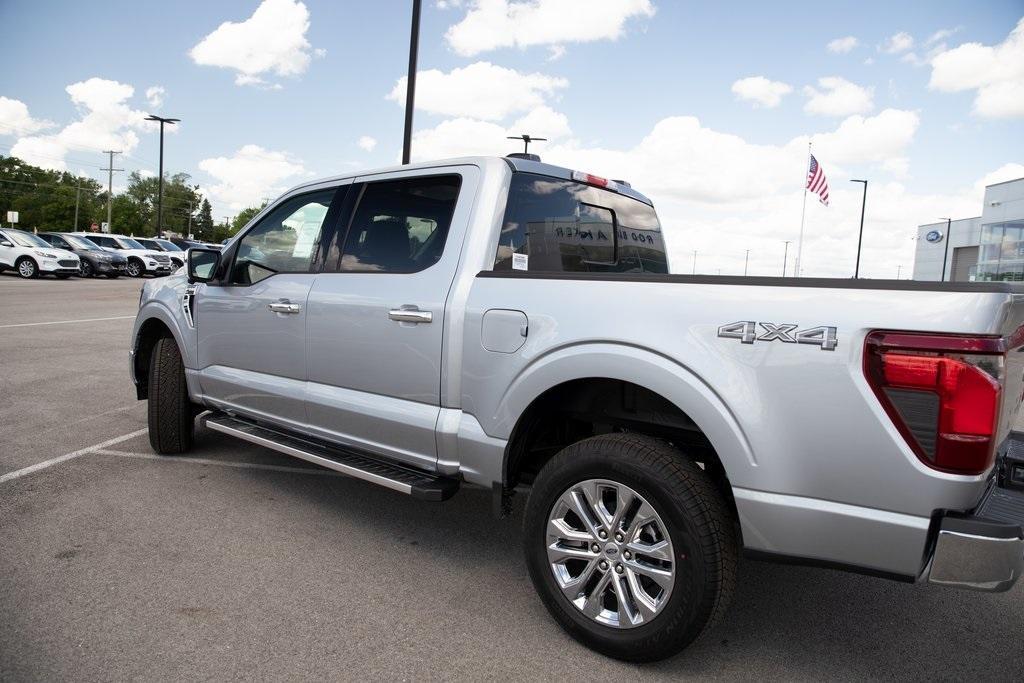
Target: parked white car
column 31, row 256
column 141, row 261
column 177, row 255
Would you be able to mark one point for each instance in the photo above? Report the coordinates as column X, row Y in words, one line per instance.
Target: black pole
column 410, row 92
column 945, row 255
column 860, row 236
column 160, row 192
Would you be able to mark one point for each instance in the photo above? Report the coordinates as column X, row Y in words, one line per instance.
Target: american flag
column 817, row 182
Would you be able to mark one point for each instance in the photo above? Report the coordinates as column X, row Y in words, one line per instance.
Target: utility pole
column 945, row 256
column 410, row 90
column 110, row 186
column 78, row 197
column 785, row 257
column 746, row 260
column 160, row 193
column 860, row 237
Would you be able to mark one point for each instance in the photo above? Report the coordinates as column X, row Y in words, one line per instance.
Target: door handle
column 283, row 307
column 410, row 315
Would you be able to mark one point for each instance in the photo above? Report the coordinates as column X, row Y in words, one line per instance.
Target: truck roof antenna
column 525, row 137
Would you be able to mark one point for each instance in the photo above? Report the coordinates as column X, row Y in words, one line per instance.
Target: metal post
column 899, row 269
column 110, row 186
column 785, row 257
column 746, row 260
column 945, row 255
column 410, row 91
column 78, row 198
column 160, row 193
column 188, row 234
column 860, row 237
column 803, row 212
column 694, row 262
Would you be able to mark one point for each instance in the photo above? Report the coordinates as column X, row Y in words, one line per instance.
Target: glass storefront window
column 1001, row 256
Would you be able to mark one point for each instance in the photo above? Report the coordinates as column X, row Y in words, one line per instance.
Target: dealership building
column 984, row 248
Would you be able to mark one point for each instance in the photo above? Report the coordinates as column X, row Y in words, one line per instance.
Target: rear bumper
column 983, row 551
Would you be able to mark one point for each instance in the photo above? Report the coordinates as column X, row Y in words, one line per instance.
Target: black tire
column 26, row 268
column 171, row 419
column 85, row 269
column 135, row 268
column 697, row 518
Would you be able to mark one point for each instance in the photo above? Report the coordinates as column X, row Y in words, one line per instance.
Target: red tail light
column 942, row 393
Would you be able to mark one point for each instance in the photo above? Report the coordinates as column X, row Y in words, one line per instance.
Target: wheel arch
column 154, row 322
column 602, row 383
column 27, row 257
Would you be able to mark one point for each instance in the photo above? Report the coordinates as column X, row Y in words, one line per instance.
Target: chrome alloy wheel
column 610, row 553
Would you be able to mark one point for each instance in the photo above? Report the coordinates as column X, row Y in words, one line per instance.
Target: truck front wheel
column 171, row 420
column 630, row 545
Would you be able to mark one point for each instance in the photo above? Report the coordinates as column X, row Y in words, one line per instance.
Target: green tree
column 45, row 200
column 204, row 223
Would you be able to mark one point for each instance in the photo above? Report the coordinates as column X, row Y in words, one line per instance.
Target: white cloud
column 556, row 52
column 366, row 143
column 249, row 175
column 467, row 137
column 996, row 73
column 897, row 43
column 271, row 41
column 481, row 91
column 761, row 91
column 106, row 121
column 155, row 96
column 493, row 24
column 838, row 97
column 842, row 45
column 941, row 35
column 448, row 4
column 543, row 122
column 721, row 194
column 15, row 119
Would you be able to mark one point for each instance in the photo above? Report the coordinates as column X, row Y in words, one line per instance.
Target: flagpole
column 803, row 212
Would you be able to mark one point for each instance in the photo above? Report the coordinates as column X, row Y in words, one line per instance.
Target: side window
column 562, row 226
column 400, row 226
column 104, row 241
column 57, row 241
column 285, row 240
column 49, row 239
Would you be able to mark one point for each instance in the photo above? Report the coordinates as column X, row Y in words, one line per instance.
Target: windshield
column 79, row 243
column 168, row 246
column 27, row 239
column 129, row 243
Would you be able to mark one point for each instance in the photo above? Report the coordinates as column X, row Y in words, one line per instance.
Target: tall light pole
column 945, row 255
column 860, row 237
column 410, row 85
column 785, row 257
column 160, row 193
column 694, row 271
column 746, row 260
column 110, row 185
column 78, row 198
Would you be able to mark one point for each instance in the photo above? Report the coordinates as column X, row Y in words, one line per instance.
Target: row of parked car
column 90, row 254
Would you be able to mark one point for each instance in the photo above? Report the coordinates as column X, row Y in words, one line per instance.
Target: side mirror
column 202, row 264
column 5, row 243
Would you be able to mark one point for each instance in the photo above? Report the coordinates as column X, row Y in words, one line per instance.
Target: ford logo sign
column 933, row 236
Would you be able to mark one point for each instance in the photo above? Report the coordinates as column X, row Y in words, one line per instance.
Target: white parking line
column 66, row 322
column 68, row 456
column 221, row 463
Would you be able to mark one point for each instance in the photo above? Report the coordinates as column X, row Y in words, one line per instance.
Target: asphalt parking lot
column 238, row 563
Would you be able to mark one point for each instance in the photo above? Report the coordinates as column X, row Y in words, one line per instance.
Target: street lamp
column 160, row 194
column 410, row 86
column 860, row 237
column 945, row 254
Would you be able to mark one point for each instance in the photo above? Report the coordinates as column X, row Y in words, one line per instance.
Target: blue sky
column 616, row 85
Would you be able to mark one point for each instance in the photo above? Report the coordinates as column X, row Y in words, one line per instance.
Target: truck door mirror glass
column 202, row 264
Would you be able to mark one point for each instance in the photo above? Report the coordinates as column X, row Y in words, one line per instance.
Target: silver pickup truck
column 508, row 324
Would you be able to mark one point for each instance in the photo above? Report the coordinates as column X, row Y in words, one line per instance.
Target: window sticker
column 520, row 262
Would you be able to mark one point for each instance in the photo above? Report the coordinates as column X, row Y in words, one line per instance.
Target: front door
column 251, row 325
column 377, row 312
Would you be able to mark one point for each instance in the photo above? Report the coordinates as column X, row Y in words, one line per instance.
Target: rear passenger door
column 376, row 313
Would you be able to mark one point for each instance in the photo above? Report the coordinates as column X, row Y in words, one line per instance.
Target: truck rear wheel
column 171, row 420
column 630, row 546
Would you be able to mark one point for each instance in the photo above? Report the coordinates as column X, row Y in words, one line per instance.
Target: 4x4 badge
column 746, row 331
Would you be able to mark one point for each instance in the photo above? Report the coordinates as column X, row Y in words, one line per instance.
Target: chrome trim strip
column 310, row 457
